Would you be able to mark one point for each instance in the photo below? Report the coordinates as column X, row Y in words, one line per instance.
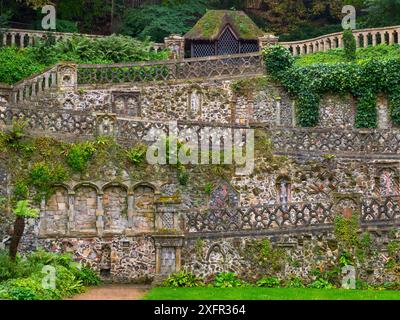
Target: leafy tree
column 382, row 12
column 21, row 211
column 159, row 21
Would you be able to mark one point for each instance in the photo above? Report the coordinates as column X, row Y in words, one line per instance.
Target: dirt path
column 113, row 292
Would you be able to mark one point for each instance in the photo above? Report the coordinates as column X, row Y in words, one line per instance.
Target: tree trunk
column 19, row 226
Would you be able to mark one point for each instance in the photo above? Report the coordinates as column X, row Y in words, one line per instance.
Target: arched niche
column 283, row 190
column 85, row 206
column 224, row 196
column 144, row 197
column 115, row 206
column 56, row 213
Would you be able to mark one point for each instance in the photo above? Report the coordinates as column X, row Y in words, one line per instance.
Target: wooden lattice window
column 203, row 49
column 227, row 43
column 248, row 46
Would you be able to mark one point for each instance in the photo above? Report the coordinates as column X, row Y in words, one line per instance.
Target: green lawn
column 380, row 52
column 267, row 294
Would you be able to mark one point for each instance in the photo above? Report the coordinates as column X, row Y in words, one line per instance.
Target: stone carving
column 67, row 77
column 106, row 124
column 224, row 196
column 126, row 103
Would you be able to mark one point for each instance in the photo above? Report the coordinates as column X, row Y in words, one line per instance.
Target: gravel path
column 113, row 292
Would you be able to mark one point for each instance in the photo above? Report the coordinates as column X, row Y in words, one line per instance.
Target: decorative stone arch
column 347, row 203
column 214, row 252
column 88, row 211
column 87, row 184
column 387, row 180
column 224, row 195
column 115, row 206
column 55, row 216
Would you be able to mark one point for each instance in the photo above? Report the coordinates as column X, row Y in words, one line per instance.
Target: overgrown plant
column 22, row 211
column 362, row 80
column 183, row 279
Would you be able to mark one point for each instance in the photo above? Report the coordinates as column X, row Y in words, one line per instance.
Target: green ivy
column 362, row 80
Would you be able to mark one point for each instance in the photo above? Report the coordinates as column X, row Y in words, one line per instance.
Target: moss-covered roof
column 210, row 26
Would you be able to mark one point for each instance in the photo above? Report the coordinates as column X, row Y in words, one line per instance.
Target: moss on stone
column 213, row 22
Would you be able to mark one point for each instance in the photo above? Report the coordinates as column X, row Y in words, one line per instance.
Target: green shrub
column 277, row 60
column 182, row 279
column 320, row 284
column 270, row 282
column 87, row 276
column 13, row 269
column 227, row 280
column 24, row 276
column 349, row 43
column 294, row 282
column 137, row 154
column 79, row 155
column 17, row 64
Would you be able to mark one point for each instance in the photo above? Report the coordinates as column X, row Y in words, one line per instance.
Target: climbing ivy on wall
column 363, row 80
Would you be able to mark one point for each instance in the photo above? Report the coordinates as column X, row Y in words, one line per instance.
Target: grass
column 380, row 52
column 268, row 294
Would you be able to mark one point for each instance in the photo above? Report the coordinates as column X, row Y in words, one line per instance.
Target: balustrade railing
column 329, row 140
column 229, row 65
column 385, row 210
column 34, row 86
column 22, row 38
column 364, row 38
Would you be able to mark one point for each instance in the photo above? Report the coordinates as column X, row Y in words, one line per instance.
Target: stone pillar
column 374, row 39
column 99, row 215
column 22, row 40
column 357, row 36
column 12, row 39
column 71, row 213
column 365, row 40
column 391, row 37
column 67, row 77
column 340, row 41
column 131, row 210
column 176, row 45
column 5, row 35
column 267, row 40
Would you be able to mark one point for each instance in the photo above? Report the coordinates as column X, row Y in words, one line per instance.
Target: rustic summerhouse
column 221, row 32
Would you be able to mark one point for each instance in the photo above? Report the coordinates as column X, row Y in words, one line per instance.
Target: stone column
column 22, row 40
column 340, row 41
column 357, row 40
column 374, row 39
column 365, row 37
column 267, row 40
column 391, row 37
column 176, row 45
column 71, row 213
column 12, row 39
column 5, row 35
column 131, row 211
column 99, row 215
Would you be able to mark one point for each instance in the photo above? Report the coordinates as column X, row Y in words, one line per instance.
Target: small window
column 194, row 103
column 387, row 183
column 284, row 191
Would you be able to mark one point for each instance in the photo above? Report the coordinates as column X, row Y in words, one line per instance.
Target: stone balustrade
column 22, row 38
column 364, row 38
column 34, row 86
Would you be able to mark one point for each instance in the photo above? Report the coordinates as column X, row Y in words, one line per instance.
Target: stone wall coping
column 339, row 34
